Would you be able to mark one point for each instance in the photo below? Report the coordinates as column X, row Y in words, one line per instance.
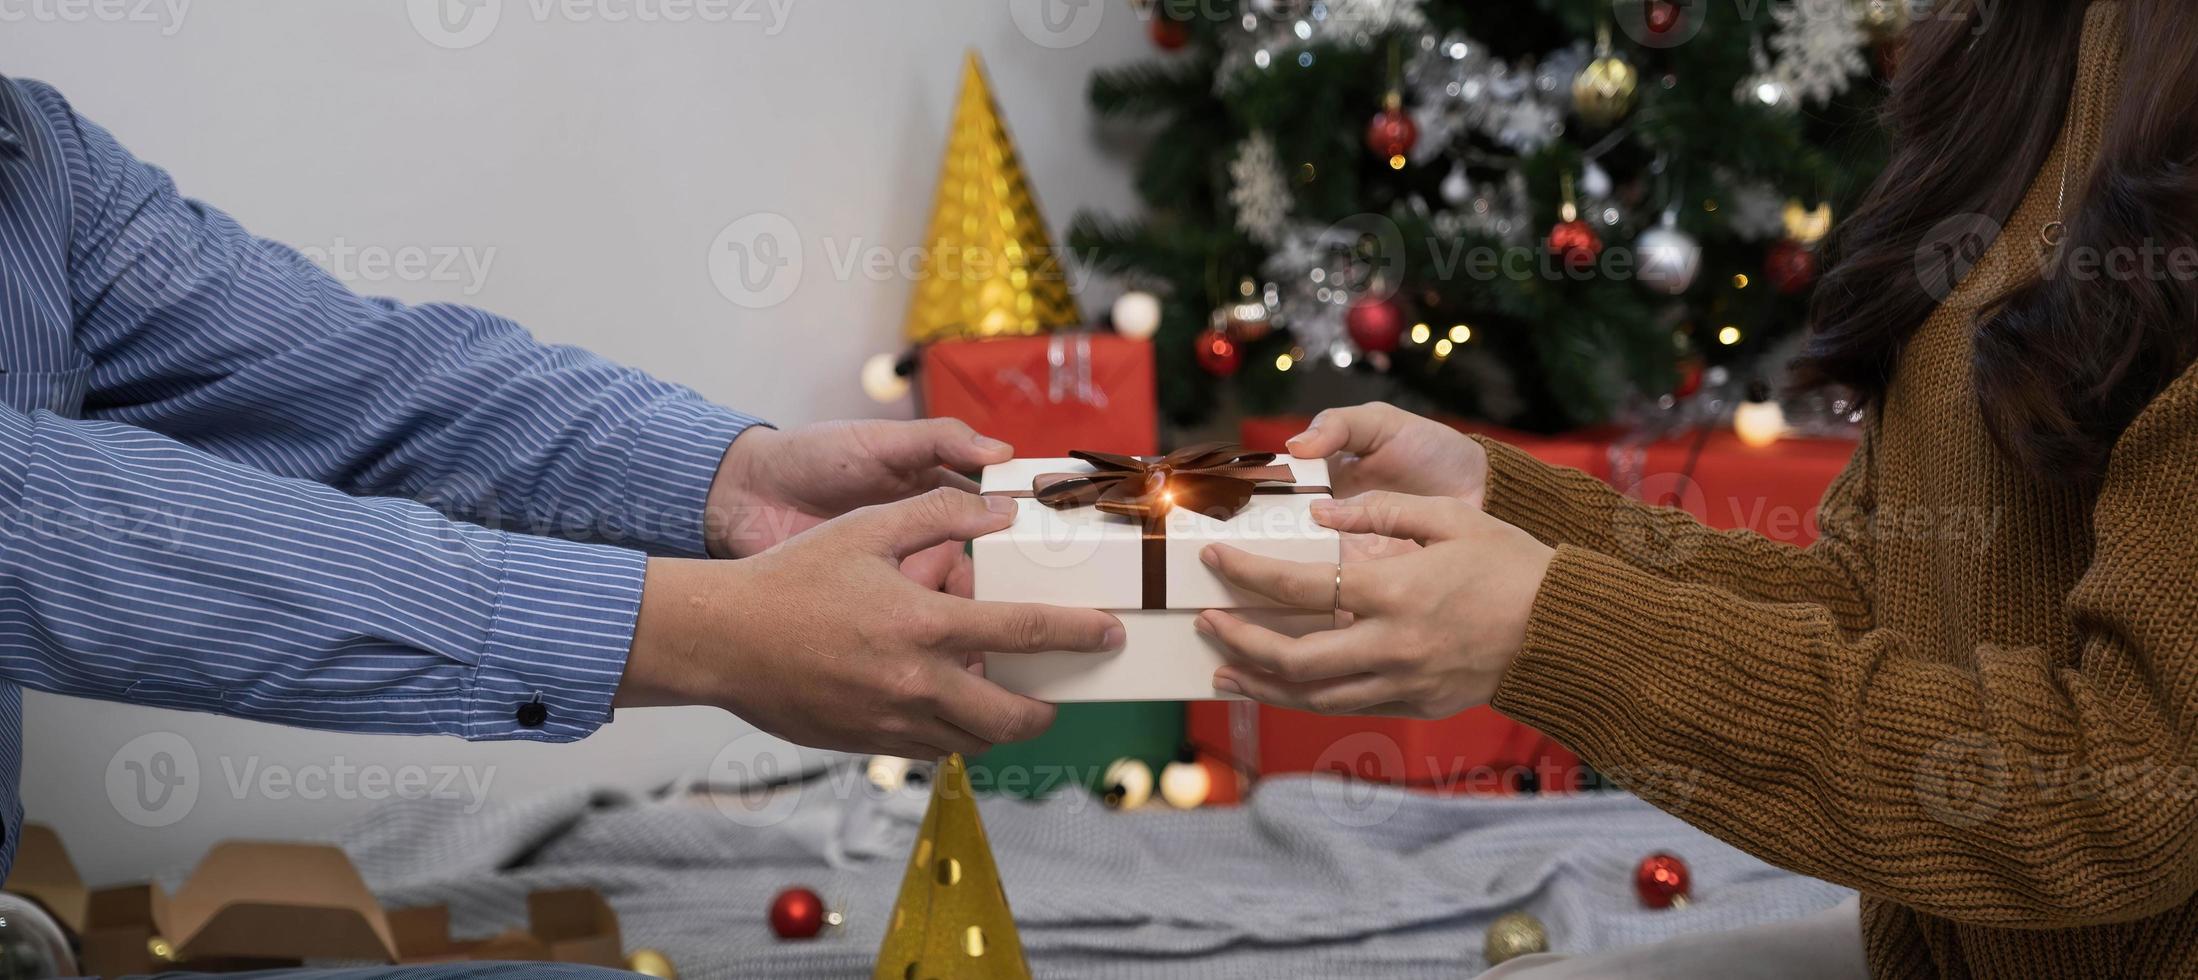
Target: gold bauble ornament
column 1604, row 91
column 989, row 267
column 1807, row 225
column 650, row 963
column 1883, row 20
column 951, row 921
column 1512, row 935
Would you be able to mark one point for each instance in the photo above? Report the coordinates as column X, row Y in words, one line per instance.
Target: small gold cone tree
column 951, row 921
column 989, row 267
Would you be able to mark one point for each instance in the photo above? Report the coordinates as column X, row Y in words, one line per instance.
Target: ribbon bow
column 1214, row 479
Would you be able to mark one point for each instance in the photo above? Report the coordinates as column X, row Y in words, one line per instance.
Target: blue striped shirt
column 229, row 484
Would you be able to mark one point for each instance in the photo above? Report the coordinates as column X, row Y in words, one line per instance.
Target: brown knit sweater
column 1974, row 699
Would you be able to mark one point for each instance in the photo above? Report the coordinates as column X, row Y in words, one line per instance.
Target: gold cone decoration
column 951, row 921
column 989, row 268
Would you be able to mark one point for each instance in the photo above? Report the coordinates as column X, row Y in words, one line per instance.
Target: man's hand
column 823, row 640
column 773, row 485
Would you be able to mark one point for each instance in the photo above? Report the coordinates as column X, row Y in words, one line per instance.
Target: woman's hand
column 1431, row 632
column 1378, row 446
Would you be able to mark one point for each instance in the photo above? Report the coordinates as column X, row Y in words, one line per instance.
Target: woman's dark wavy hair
column 2063, row 364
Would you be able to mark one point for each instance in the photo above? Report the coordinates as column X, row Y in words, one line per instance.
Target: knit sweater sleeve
column 1564, row 506
column 2040, row 787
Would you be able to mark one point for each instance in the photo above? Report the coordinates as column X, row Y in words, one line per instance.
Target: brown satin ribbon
column 1214, row 479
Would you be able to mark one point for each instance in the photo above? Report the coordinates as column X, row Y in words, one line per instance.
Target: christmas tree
column 1524, row 212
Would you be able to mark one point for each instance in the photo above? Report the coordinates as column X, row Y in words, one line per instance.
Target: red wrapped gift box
column 1048, row 395
column 1772, row 490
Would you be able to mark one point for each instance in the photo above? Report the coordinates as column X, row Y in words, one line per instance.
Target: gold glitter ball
column 1513, row 935
column 1605, row 90
column 650, row 963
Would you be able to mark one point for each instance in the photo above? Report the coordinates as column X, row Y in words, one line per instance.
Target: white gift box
column 1083, row 557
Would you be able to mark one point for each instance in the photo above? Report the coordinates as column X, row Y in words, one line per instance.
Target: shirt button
column 532, row 714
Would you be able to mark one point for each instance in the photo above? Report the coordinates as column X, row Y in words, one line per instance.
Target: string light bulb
column 882, row 378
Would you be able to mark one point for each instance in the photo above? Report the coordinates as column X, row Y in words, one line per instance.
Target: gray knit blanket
column 1313, row 878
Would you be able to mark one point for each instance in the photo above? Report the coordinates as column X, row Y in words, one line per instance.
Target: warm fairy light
column 1759, row 424
column 1740, row 281
column 1420, row 333
column 1728, row 336
column 1396, row 161
column 1284, row 362
column 1460, row 334
column 1442, row 348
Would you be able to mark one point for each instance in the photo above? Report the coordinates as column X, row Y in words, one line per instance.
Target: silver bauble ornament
column 1457, row 189
column 1669, row 258
column 1595, row 181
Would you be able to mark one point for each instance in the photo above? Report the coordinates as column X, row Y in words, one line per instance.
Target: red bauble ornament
column 797, row 913
column 1662, row 881
column 1660, row 16
column 1791, row 267
column 1376, row 325
column 1392, row 133
column 1576, row 243
column 1219, row 355
column 1169, row 34
column 1690, row 378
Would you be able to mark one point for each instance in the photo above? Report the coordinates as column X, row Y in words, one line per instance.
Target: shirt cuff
column 670, row 465
column 557, row 643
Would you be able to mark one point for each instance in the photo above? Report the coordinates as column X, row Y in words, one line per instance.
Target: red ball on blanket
column 1662, row 881
column 797, row 913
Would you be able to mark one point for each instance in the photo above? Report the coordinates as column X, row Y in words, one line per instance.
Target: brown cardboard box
column 253, row 905
column 44, row 874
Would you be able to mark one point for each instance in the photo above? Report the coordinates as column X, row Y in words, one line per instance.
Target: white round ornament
column 1137, row 315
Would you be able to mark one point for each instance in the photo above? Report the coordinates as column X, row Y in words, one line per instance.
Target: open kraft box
column 258, row 905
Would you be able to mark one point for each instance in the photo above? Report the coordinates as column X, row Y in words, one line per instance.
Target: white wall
column 589, row 163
